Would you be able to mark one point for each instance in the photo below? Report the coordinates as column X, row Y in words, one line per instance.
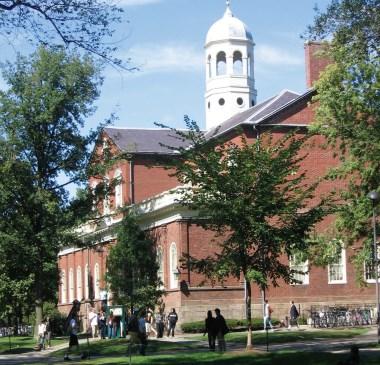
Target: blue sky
column 165, row 39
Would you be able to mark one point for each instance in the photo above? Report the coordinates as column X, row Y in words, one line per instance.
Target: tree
column 348, row 111
column 84, row 24
column 255, row 198
column 41, row 117
column 132, row 267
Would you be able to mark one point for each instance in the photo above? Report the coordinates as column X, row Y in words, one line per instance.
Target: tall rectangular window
column 337, row 270
column 298, row 264
column 369, row 267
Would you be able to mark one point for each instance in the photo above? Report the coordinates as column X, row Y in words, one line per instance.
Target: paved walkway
column 365, row 342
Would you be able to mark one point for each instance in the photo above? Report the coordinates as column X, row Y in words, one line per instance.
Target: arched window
column 86, row 287
column 63, row 287
column 238, row 63
column 209, row 69
column 79, row 283
column 173, row 266
column 106, row 199
column 96, row 281
column 221, row 64
column 71, row 285
column 160, row 262
column 118, row 189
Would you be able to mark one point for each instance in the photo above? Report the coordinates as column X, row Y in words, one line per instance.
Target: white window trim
column 305, row 280
column 160, row 262
column 118, row 189
column 63, row 287
column 86, row 286
column 96, row 281
column 71, row 285
column 79, row 283
column 373, row 281
column 173, row 266
column 344, row 269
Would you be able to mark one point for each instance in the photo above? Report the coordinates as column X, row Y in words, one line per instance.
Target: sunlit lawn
column 285, row 336
column 20, row 344
column 241, row 358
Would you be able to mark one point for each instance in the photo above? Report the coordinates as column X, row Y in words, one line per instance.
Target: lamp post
column 375, row 196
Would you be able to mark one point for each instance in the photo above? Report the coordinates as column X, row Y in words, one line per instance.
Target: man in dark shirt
column 172, row 321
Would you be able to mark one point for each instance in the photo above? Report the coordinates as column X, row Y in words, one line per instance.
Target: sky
column 164, row 39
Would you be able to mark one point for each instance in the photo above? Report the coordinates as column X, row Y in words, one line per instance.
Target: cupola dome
column 228, row 27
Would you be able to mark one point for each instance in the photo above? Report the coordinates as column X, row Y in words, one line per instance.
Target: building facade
column 231, row 110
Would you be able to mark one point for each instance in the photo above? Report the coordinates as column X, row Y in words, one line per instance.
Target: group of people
column 97, row 324
column 292, row 320
column 216, row 328
column 44, row 334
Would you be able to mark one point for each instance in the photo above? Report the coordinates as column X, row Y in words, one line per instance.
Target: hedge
column 233, row 325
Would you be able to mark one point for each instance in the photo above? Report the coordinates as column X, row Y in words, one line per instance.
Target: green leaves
column 254, row 197
column 348, row 112
column 132, row 266
column 41, row 116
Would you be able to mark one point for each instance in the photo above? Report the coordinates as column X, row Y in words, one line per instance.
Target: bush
column 233, row 325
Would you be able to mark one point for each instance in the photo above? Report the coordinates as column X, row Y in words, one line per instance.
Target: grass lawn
column 21, row 344
column 294, row 335
column 241, row 358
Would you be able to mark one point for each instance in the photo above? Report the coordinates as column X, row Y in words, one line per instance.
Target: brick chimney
column 315, row 61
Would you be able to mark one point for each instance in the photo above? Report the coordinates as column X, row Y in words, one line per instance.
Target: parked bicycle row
column 341, row 316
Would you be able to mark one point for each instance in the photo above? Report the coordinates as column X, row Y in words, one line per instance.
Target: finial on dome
column 228, row 10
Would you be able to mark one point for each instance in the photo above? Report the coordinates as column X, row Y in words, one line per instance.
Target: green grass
column 242, row 358
column 22, row 344
column 294, row 335
column 119, row 347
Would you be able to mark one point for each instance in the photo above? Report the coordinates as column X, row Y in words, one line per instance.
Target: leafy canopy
column 132, row 266
column 42, row 114
column 83, row 24
column 348, row 113
column 256, row 198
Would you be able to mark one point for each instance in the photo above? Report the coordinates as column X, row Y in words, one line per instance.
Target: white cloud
column 155, row 58
column 134, row 2
column 270, row 55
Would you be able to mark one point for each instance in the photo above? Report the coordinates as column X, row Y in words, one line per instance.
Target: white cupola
column 230, row 83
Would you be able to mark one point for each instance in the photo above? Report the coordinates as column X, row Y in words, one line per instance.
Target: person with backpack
column 293, row 315
column 172, row 321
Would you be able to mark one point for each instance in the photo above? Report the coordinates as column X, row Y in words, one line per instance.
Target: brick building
column 231, row 109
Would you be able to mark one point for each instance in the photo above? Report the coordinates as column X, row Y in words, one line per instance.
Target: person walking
column 48, row 333
column 73, row 332
column 210, row 329
column 172, row 321
column 142, row 333
column 221, row 330
column 93, row 322
column 267, row 315
column 159, row 320
column 102, row 326
column 293, row 315
column 41, row 335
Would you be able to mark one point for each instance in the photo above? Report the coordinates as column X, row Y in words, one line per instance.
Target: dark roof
column 145, row 141
column 148, row 141
column 255, row 114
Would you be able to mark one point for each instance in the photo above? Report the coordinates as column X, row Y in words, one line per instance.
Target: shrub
column 233, row 325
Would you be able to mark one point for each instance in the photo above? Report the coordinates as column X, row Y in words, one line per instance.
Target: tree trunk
column 248, row 300
column 39, row 303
